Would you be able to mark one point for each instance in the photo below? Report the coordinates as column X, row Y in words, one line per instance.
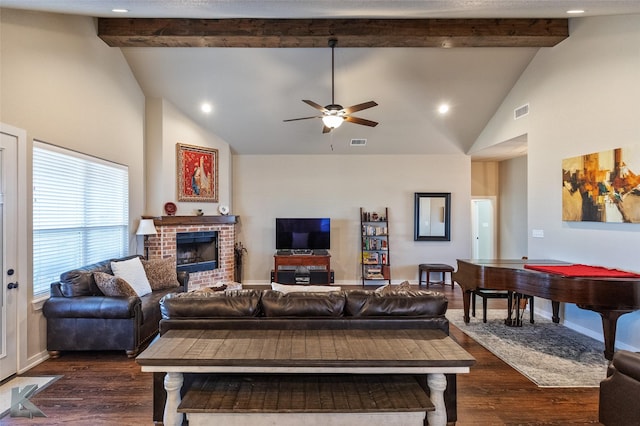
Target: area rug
column 20, row 382
column 548, row 354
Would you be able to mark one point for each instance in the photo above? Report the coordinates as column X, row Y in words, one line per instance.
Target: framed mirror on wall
column 432, row 216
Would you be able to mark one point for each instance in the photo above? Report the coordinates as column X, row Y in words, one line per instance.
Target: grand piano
column 610, row 297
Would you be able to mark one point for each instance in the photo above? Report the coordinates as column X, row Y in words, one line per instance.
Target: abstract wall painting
column 602, row 186
column 197, row 173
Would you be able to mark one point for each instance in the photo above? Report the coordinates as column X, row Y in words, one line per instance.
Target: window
column 80, row 212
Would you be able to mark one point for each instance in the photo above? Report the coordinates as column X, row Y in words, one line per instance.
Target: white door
column 8, row 254
column 483, row 228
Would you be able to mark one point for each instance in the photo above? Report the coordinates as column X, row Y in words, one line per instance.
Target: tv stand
column 310, row 261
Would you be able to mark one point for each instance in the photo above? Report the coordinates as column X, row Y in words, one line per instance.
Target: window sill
column 39, row 302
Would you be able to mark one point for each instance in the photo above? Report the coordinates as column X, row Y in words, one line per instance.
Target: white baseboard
column 599, row 336
column 34, row 360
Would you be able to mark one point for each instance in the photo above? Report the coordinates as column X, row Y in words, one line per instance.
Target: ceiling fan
column 334, row 115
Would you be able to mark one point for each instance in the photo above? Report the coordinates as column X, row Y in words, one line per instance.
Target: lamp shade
column 146, row 227
column 332, row 121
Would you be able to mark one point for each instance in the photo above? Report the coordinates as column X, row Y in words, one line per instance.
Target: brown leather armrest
column 627, row 363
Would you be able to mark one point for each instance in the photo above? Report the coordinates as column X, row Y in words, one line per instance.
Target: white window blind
column 80, row 212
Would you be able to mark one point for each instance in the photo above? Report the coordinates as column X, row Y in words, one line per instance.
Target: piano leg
column 466, row 301
column 555, row 307
column 609, row 323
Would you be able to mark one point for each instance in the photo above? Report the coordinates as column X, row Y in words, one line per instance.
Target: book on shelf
column 374, row 273
column 370, row 258
column 374, row 244
column 373, row 230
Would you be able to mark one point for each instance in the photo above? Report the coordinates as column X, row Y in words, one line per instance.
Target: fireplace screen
column 197, row 251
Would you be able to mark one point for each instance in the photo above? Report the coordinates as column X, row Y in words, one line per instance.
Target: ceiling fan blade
column 303, row 118
column 359, row 107
column 315, row 105
column 362, row 121
column 326, row 129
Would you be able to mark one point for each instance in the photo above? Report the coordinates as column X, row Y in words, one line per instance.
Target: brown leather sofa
column 81, row 318
column 269, row 309
column 620, row 391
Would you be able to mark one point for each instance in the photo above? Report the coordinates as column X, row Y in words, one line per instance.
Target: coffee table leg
column 437, row 384
column 172, row 384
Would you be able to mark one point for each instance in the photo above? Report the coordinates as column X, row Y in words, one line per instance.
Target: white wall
column 512, row 207
column 64, row 86
column 166, row 126
column 583, row 96
column 266, row 187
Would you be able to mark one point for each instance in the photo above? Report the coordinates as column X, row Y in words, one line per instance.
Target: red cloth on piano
column 578, row 270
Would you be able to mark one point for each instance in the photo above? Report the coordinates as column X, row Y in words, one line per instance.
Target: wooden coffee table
column 306, row 352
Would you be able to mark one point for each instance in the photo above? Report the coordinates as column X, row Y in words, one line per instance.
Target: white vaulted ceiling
column 253, row 89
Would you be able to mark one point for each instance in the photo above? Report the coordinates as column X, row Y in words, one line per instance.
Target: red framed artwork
column 197, row 173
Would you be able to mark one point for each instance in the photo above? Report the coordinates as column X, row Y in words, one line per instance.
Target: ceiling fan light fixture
column 333, row 115
column 332, row 121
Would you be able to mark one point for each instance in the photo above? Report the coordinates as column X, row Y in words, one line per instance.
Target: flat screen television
column 303, row 233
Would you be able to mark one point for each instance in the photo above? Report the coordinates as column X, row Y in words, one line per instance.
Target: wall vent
column 358, row 142
column 521, row 111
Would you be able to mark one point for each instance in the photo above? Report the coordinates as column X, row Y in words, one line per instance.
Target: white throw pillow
column 290, row 288
column 132, row 272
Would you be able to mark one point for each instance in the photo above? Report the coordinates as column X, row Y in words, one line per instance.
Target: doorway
column 483, row 228
column 9, row 292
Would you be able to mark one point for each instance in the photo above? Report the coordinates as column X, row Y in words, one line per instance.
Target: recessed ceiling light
column 206, row 108
column 120, row 10
column 443, row 108
column 575, row 11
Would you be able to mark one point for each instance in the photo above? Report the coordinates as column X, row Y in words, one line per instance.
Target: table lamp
column 146, row 228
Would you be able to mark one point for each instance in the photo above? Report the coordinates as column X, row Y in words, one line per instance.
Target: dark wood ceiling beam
column 160, row 32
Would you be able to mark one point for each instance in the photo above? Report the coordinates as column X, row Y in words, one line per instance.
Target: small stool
column 434, row 267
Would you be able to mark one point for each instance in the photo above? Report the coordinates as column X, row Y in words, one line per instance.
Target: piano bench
column 486, row 294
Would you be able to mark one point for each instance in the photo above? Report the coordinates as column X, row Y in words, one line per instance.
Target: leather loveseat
column 270, row 309
column 620, row 391
column 80, row 317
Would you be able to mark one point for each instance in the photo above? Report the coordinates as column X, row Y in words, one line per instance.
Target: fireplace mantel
column 164, row 244
column 193, row 220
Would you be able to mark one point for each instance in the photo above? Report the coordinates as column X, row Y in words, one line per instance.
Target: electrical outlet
column 537, row 233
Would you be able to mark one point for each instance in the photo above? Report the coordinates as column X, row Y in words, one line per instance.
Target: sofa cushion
column 110, row 285
column 211, row 304
column 161, row 273
column 132, row 272
column 303, row 304
column 415, row 303
column 80, row 281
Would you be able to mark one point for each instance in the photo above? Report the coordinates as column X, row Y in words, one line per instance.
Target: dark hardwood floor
column 106, row 388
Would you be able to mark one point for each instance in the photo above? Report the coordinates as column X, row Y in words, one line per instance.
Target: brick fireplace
column 163, row 244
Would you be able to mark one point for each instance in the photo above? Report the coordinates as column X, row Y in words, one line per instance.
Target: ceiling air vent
column 358, row 142
column 521, row 111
